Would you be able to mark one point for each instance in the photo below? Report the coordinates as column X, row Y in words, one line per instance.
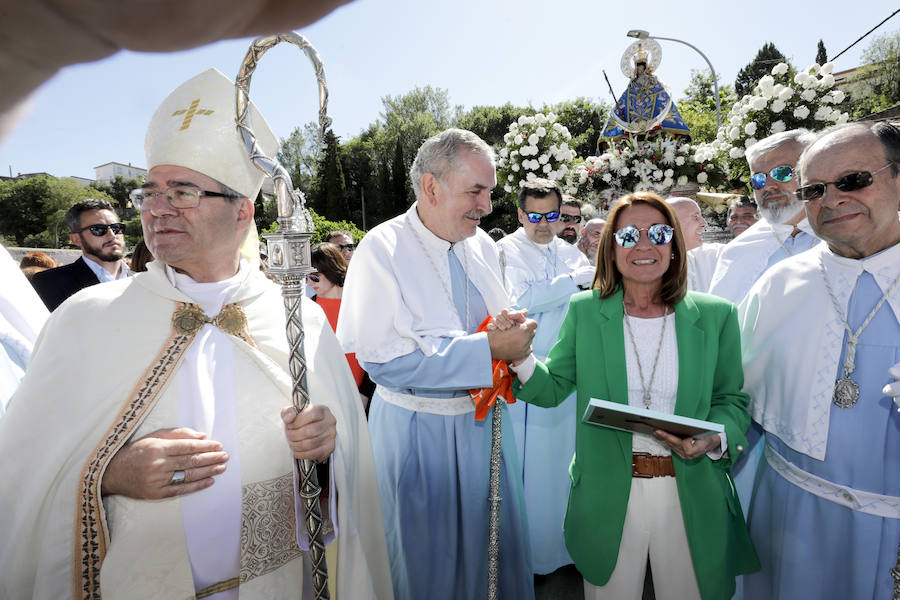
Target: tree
column 300, row 154
column 330, row 193
column 32, row 211
column 876, row 86
column 119, row 189
column 491, row 123
column 821, row 54
column 698, row 106
column 584, row 119
column 767, row 57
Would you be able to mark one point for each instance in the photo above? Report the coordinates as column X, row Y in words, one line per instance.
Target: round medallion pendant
column 188, row 319
column 846, row 392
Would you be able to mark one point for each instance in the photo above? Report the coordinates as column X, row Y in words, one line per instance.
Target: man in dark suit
column 95, row 229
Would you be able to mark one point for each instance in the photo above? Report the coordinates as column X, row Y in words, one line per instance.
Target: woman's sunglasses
column 783, row 173
column 314, row 277
column 659, row 234
column 848, row 183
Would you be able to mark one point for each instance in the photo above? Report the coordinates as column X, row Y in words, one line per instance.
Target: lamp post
column 643, row 35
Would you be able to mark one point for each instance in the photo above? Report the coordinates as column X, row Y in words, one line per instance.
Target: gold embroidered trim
column 92, row 536
column 215, row 588
column 268, row 526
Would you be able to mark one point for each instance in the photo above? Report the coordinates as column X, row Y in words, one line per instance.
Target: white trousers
column 654, row 527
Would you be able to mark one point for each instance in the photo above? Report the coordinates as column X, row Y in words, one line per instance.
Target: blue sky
column 481, row 51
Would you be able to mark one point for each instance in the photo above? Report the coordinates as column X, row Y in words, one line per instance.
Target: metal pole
column 494, row 501
column 711, row 69
column 289, row 261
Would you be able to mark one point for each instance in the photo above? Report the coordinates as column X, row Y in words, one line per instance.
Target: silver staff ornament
column 289, row 262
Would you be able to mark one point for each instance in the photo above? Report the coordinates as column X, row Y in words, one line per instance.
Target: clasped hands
column 509, row 335
column 143, row 468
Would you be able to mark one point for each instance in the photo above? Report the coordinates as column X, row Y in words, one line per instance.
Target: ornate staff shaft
column 895, row 573
column 494, row 499
column 289, row 262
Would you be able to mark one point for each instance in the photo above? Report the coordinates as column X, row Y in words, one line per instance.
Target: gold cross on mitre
column 191, row 111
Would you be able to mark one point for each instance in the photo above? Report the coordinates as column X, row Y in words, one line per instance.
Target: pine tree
column 767, row 57
column 330, row 190
column 821, row 54
column 399, row 187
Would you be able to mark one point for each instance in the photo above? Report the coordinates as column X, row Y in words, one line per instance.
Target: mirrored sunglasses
column 572, row 218
column 659, row 235
column 350, row 247
column 535, row 217
column 314, row 277
column 848, row 183
column 782, row 173
column 100, row 229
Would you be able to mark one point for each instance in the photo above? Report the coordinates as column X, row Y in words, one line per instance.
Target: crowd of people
column 149, row 442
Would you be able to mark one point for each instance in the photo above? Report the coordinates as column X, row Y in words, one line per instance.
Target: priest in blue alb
column 821, row 340
column 420, row 286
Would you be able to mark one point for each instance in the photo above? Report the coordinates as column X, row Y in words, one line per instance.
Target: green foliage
column 322, row 227
column 32, row 211
column 821, row 54
column 119, row 190
column 698, row 106
column 584, row 119
column 329, row 192
column 876, row 86
column 300, row 154
column 767, row 57
column 491, row 123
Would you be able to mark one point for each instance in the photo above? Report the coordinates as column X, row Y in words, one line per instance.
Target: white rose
column 827, row 68
column 657, row 174
column 607, row 177
column 679, row 160
column 780, row 69
column 515, row 167
column 766, row 82
column 523, row 120
column 519, row 139
column 777, row 105
column 624, row 171
column 800, row 78
column 702, row 177
column 552, row 149
column 533, row 150
column 801, row 112
column 563, row 169
column 843, row 118
column 750, row 128
column 541, row 132
column 735, row 120
column 507, row 137
column 504, row 152
column 531, row 176
column 669, row 173
column 777, row 126
column 758, row 103
column 735, row 152
column 511, row 177
column 734, row 133
column 513, row 154
column 822, row 113
column 547, row 168
column 838, row 96
column 551, row 117
column 539, row 118
column 785, row 94
column 808, row 95
column 543, row 158
column 533, row 139
column 682, row 180
column 749, row 142
column 827, row 81
column 507, row 188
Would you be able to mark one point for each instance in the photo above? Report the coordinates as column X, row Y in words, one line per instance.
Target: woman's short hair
column 327, row 259
column 140, row 256
column 38, row 259
column 608, row 278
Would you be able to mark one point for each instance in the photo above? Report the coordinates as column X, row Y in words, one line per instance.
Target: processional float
column 289, row 262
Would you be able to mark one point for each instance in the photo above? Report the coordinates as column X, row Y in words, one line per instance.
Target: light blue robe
column 432, row 472
column 810, row 547
column 545, row 436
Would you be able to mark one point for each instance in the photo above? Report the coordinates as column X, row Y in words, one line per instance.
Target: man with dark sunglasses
column 542, row 272
column 821, row 339
column 344, row 241
column 782, row 231
column 570, row 219
column 95, row 228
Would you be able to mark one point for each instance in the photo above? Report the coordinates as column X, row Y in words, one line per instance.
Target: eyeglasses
column 551, row 217
column 100, row 229
column 350, row 247
column 783, row 173
column 659, row 235
column 848, row 183
column 567, row 218
column 180, row 196
column 314, row 277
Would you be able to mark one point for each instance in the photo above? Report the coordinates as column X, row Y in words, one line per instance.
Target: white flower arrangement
column 535, row 146
column 779, row 102
column 655, row 165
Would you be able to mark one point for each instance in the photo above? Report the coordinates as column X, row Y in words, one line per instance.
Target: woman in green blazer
column 636, row 497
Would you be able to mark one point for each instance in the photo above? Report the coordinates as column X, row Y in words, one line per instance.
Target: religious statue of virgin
column 646, row 107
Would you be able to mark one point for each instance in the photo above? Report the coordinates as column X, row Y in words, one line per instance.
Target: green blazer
column 589, row 358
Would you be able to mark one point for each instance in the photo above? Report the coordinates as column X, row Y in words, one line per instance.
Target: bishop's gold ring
column 177, row 478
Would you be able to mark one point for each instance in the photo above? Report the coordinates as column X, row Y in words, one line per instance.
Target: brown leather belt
column 646, row 465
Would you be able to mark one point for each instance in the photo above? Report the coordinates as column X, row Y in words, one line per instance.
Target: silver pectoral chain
column 646, row 389
column 444, row 283
column 846, row 391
